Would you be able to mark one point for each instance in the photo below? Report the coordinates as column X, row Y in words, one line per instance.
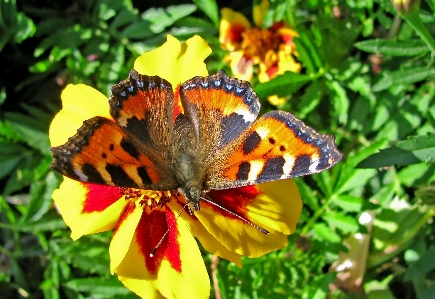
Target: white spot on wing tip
column 313, row 166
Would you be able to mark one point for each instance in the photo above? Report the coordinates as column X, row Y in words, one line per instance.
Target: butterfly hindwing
column 276, row 146
column 219, row 109
column 102, row 153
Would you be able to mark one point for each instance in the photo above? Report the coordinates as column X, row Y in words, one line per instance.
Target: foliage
column 368, row 79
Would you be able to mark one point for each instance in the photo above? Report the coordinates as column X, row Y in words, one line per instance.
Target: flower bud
column 404, row 7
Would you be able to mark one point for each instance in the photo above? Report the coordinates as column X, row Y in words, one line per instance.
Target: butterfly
column 212, row 141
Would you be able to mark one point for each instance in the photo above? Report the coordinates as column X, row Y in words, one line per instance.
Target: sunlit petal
column 208, row 241
column 231, row 27
column 259, row 11
column 177, row 263
column 175, row 61
column 79, row 103
column 88, row 208
column 282, row 206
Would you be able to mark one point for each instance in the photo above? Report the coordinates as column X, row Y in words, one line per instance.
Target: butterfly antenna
column 167, row 231
column 236, row 215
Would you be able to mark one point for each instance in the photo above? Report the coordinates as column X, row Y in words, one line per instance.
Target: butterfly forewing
column 220, row 109
column 102, row 153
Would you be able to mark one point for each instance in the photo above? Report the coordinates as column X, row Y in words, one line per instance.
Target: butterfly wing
column 277, row 146
column 133, row 152
column 219, row 109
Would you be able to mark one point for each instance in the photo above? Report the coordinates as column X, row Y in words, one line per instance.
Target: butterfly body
column 216, row 142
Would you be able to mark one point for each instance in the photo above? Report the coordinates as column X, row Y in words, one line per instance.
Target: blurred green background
column 368, row 77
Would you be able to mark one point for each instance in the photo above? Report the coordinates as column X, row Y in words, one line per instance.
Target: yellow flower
column 272, row 49
column 141, row 217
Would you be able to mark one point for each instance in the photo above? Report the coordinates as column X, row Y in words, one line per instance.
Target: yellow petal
column 274, row 206
column 165, row 277
column 260, row 11
column 286, row 62
column 278, row 206
column 79, row 103
column 239, row 236
column 70, row 199
column 174, row 61
column 275, row 100
column 231, row 27
column 123, row 235
column 208, row 241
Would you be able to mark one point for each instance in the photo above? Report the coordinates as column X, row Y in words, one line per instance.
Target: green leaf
column 322, row 232
column 425, row 264
column 50, row 222
column 349, row 177
column 161, row 18
column 210, row 8
column 349, row 203
column 101, row 286
column 310, row 100
column 8, row 163
column 25, row 28
column 122, row 18
column 393, row 48
column 282, row 85
column 346, row 224
column 404, row 76
column 138, row 30
column 414, row 150
column 339, row 99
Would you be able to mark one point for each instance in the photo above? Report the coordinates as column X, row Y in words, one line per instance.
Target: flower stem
column 415, row 22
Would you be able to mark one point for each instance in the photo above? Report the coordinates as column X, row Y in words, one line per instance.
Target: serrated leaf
column 340, row 100
column 404, row 76
column 414, row 150
column 393, row 48
column 282, row 85
column 160, row 18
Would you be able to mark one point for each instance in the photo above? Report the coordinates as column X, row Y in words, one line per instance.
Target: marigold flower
column 141, row 217
column 272, row 49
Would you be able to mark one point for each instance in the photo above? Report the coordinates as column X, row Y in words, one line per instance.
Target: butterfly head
column 193, row 196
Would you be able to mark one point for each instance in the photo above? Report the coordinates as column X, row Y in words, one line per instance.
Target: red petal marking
column 234, row 33
column 287, row 39
column 150, row 230
column 272, row 71
column 236, row 200
column 276, row 26
column 100, row 197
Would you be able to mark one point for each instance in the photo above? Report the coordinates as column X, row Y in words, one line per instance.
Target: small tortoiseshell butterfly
column 216, row 143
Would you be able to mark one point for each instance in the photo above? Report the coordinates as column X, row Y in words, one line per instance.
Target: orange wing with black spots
column 102, row 153
column 277, row 146
column 219, row 109
column 143, row 106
